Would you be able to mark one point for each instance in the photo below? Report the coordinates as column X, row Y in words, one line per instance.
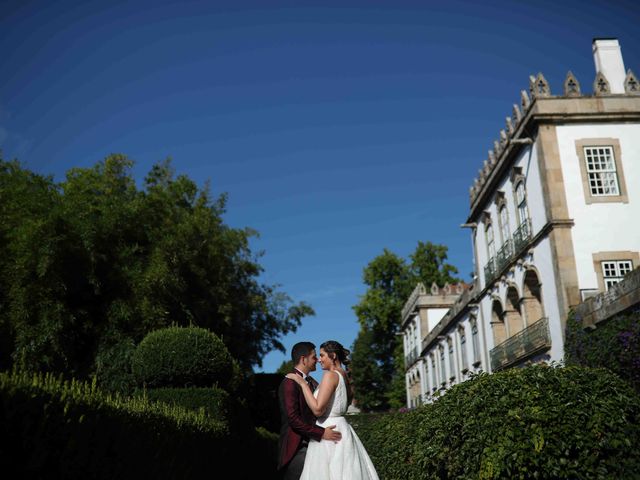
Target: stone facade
column 551, row 214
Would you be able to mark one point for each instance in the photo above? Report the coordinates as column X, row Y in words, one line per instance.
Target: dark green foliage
column 614, row 344
column 113, row 367
column 262, row 400
column 93, row 263
column 390, row 280
column 367, row 375
column 285, row 367
column 214, row 402
column 535, row 422
column 70, row 430
column 182, row 357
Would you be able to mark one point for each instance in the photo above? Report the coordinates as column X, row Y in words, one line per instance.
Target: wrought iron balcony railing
column 533, row 339
column 504, row 255
column 411, row 357
column 508, row 252
column 522, row 235
column 490, row 271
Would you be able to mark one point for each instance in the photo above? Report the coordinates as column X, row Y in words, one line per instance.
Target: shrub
column 71, row 430
column 214, row 402
column 536, row 422
column 261, row 391
column 113, row 367
column 182, row 357
column 614, row 344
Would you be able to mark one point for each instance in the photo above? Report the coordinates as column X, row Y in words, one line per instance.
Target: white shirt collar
column 304, row 375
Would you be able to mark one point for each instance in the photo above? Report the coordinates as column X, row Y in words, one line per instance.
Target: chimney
column 608, row 59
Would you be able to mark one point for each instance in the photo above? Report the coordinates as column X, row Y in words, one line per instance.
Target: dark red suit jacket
column 296, row 419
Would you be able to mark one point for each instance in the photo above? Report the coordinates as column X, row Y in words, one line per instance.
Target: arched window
column 491, row 247
column 452, row 368
column 463, row 347
column 521, row 202
column 434, row 373
column 475, row 342
column 443, row 375
column 504, row 223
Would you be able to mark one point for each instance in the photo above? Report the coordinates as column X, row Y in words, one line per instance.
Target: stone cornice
column 544, row 110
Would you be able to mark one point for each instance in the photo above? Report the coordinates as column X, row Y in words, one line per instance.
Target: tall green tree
column 93, row 263
column 378, row 360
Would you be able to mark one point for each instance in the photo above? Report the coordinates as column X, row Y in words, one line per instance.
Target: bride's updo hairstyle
column 336, row 350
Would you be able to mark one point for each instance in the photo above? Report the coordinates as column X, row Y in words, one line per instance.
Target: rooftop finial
column 571, row 85
column 541, row 86
column 601, row 85
column 516, row 113
column 524, row 101
column 631, row 84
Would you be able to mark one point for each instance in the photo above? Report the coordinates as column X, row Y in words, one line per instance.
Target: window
column 614, row 271
column 452, row 369
column 504, row 223
column 521, row 201
column 474, row 342
column 442, row 366
column 601, row 168
column 434, row 377
column 491, row 248
column 463, row 347
column 601, row 171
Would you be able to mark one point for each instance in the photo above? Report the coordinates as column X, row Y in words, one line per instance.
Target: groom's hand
column 330, row 434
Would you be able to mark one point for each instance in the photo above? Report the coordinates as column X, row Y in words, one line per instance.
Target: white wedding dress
column 345, row 460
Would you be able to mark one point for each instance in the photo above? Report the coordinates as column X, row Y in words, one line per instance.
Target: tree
column 390, row 280
column 367, row 374
column 285, row 367
column 94, row 263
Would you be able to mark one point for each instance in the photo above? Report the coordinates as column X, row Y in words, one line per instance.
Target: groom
column 298, row 424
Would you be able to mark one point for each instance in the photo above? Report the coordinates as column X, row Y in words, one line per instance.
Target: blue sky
column 336, row 128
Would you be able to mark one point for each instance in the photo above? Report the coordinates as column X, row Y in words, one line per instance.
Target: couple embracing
column 316, row 442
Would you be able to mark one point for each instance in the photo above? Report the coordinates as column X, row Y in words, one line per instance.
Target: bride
column 328, row 460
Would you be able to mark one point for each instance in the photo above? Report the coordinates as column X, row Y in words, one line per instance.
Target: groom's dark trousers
column 297, row 427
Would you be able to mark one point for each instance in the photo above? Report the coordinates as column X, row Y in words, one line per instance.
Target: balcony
column 411, row 358
column 508, row 252
column 533, row 339
column 522, row 236
column 490, row 271
column 504, row 255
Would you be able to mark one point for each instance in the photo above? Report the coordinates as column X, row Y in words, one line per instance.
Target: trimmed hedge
column 614, row 344
column 214, row 402
column 182, row 357
column 58, row 429
column 535, row 422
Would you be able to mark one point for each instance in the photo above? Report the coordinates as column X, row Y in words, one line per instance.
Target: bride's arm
column 325, row 390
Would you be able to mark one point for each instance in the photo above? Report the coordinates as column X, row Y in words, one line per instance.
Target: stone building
column 553, row 215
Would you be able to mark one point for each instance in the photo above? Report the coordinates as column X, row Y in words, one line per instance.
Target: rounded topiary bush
column 536, row 422
column 182, row 357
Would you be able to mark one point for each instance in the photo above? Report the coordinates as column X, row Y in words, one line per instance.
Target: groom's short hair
column 301, row 349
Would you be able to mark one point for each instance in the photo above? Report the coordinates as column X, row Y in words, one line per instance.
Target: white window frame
column 490, row 237
column 452, row 365
column 613, row 271
column 602, row 173
column 463, row 348
column 503, row 215
column 434, row 372
column 475, row 341
column 521, row 201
